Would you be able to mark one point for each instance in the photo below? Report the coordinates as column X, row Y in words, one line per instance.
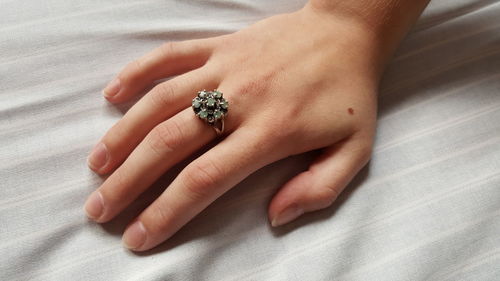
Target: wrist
column 382, row 23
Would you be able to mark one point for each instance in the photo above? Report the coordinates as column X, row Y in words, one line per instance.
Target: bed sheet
column 427, row 207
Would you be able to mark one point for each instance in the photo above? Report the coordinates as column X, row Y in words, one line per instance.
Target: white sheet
column 426, row 208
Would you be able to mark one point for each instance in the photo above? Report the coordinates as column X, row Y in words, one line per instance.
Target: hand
column 295, row 82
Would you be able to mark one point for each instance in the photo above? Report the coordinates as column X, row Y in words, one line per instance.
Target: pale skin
column 295, row 83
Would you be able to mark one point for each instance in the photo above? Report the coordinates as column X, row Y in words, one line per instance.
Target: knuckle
column 365, row 151
column 326, row 196
column 119, row 184
column 115, row 135
column 161, row 215
column 133, row 70
column 163, row 94
column 166, row 136
column 277, row 130
column 321, row 195
column 201, row 177
column 168, row 48
column 257, row 86
column 246, row 87
column 266, row 141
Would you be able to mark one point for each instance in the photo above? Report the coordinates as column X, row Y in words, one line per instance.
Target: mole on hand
column 351, row 111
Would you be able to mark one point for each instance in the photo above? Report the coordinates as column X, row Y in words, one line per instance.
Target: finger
column 170, row 59
column 318, row 187
column 161, row 103
column 166, row 145
column 198, row 185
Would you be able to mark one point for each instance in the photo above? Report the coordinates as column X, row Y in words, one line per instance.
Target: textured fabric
column 427, row 207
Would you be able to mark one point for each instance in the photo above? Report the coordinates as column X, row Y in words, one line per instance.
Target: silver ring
column 212, row 108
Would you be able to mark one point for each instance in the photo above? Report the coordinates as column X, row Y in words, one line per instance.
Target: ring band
column 211, row 107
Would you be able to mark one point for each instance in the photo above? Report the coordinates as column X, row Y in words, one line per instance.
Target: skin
column 319, row 66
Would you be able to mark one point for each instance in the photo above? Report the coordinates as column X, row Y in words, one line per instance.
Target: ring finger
column 161, row 103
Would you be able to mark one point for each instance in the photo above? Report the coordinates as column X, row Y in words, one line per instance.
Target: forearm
column 388, row 21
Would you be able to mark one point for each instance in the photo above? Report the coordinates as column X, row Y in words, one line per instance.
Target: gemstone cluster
column 210, row 106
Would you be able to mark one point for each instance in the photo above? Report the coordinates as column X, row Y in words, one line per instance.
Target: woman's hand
column 294, row 82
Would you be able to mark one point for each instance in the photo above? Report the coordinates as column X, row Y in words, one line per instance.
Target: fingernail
column 98, row 157
column 135, row 235
column 112, row 88
column 94, row 205
column 289, row 214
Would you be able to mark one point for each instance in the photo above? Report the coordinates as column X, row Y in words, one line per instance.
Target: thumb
column 318, row 187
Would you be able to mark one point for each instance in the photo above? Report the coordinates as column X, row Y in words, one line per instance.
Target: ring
column 211, row 107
